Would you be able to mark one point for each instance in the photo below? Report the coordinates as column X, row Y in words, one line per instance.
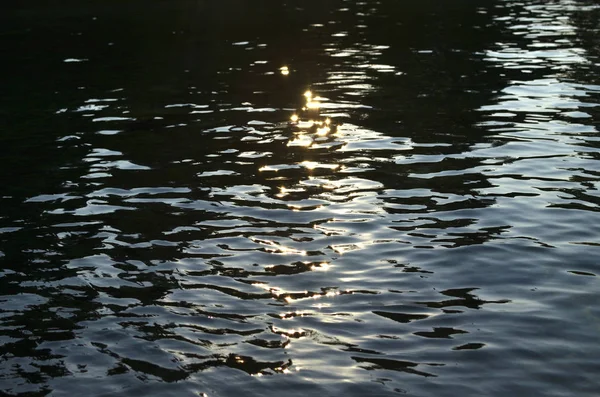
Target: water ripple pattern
column 345, row 198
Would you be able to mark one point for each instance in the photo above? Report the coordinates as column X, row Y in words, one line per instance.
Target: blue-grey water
column 288, row 198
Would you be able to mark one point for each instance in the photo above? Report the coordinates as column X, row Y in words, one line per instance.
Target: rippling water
column 286, row 198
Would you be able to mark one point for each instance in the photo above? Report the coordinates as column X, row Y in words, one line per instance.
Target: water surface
column 344, row 198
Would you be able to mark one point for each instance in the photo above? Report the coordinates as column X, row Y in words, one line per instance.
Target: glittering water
column 266, row 198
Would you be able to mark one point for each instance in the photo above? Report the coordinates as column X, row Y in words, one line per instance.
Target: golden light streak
column 301, row 141
column 311, row 165
column 323, row 131
column 282, row 192
column 306, row 124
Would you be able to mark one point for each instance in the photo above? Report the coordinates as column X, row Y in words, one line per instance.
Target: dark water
column 429, row 226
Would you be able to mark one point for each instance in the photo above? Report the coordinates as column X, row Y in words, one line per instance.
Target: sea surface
column 293, row 198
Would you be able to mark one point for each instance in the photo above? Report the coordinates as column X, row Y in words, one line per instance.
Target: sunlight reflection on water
column 361, row 198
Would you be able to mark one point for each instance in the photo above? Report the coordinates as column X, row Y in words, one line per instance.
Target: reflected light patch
column 284, row 70
column 294, row 118
column 277, row 248
column 282, row 192
column 323, row 131
column 274, row 290
column 343, row 248
column 311, row 165
column 324, row 266
column 301, row 141
column 313, row 105
column 306, row 124
column 287, row 333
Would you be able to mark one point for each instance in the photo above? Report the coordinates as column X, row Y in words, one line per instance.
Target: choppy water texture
column 227, row 198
